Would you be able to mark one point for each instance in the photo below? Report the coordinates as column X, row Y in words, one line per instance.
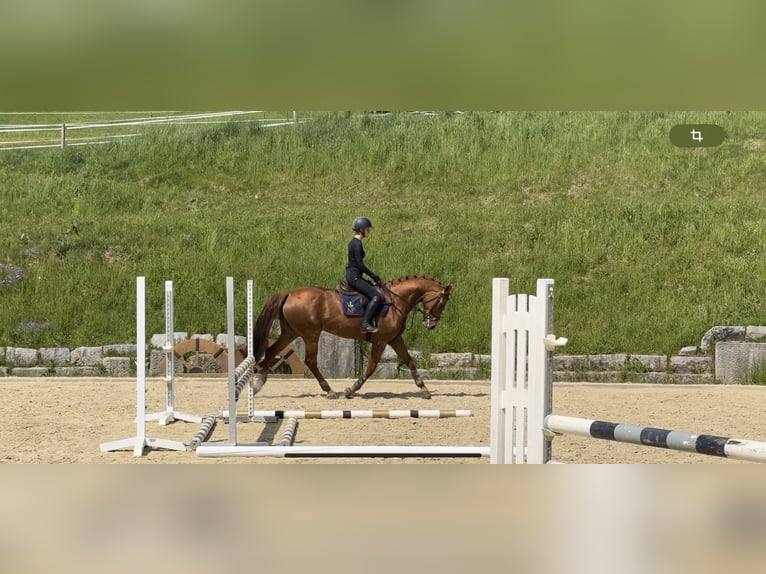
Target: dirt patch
column 57, row 420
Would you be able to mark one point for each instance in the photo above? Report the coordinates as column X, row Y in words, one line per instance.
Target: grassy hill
column 650, row 245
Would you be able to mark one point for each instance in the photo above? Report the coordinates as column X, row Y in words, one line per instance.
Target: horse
column 307, row 311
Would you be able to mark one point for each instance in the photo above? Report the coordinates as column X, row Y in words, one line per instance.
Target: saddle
column 353, row 302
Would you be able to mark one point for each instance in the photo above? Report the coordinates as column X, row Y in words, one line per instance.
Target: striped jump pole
column 363, row 414
column 288, row 435
column 243, row 375
column 711, row 445
column 208, row 423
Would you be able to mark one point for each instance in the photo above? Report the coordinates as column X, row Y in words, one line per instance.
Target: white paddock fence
column 23, row 136
column 523, row 425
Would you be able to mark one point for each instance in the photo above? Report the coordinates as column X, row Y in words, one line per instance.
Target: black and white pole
column 364, row 414
column 710, row 445
column 208, row 423
column 288, row 435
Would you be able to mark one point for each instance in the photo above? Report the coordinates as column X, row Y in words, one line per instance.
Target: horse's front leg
column 398, row 346
column 372, row 363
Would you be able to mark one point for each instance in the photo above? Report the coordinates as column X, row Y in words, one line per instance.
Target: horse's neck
column 413, row 292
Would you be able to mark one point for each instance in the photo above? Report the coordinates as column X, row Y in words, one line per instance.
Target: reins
column 411, row 306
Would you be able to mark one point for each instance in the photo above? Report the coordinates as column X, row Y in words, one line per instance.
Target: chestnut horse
column 308, row 311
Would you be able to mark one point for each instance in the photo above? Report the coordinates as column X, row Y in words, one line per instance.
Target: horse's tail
column 271, row 311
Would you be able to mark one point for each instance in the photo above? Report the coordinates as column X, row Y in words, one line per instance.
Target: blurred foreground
column 336, row 519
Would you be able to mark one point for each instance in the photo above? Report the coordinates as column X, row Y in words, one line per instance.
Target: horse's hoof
column 426, row 394
column 349, row 392
column 332, row 395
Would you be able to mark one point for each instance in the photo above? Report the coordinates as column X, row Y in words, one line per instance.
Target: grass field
column 650, row 245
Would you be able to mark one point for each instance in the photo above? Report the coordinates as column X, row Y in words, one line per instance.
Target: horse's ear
column 447, row 289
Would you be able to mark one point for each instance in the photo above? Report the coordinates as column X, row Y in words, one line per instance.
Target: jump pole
column 710, row 445
column 140, row 442
column 170, row 414
column 363, row 414
column 343, row 451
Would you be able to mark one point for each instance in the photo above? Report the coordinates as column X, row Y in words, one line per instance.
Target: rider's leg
column 368, row 290
column 369, row 312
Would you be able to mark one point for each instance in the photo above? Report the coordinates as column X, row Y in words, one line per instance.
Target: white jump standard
column 141, row 441
column 170, row 414
column 523, row 425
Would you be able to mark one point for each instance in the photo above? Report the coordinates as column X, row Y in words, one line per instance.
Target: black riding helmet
column 361, row 223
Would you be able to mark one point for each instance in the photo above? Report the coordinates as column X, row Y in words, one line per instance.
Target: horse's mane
column 404, row 278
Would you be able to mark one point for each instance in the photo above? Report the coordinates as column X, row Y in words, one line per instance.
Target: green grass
column 650, row 245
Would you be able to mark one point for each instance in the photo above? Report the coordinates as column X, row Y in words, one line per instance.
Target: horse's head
column 433, row 305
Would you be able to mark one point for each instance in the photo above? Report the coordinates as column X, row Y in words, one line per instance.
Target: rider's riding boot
column 369, row 311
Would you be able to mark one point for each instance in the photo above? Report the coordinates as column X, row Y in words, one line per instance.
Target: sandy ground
column 57, row 420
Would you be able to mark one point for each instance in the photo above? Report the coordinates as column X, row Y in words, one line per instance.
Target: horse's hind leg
column 262, row 369
column 375, row 353
column 401, row 350
column 312, row 348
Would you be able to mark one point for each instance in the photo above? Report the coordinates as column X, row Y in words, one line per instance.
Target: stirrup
column 368, row 328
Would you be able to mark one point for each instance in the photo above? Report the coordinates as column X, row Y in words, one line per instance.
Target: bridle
column 427, row 315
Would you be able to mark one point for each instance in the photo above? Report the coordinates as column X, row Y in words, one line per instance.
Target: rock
column 690, row 364
column 389, row 355
column 454, row 360
column 688, row 351
column 735, row 361
column 656, row 363
column 337, row 357
column 204, row 336
column 30, row 372
column 158, row 340
column 87, row 356
column 21, row 356
column 754, row 333
column 57, row 355
column 239, row 340
column 720, row 333
column 386, row 371
column 78, row 371
column 570, row 362
column 607, row 362
column 120, row 349
column 117, row 366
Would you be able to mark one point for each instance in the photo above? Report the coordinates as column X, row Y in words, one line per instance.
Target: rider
column 356, row 267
